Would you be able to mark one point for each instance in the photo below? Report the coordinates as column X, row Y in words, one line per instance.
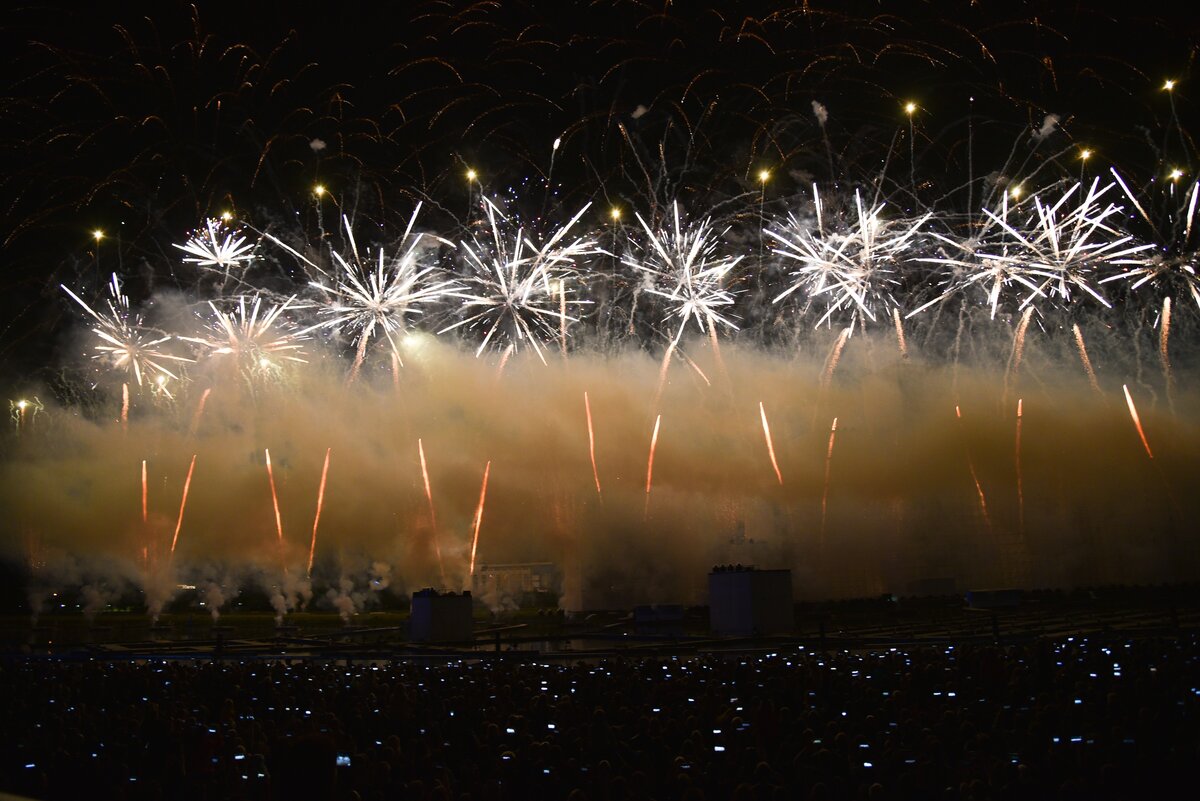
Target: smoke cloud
column 911, row 492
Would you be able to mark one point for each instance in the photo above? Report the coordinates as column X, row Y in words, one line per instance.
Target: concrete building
column 746, row 601
column 519, row 584
column 441, row 617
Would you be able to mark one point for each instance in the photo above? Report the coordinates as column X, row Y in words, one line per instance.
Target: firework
column 214, row 246
column 1020, row 476
column 682, row 265
column 125, row 343
column 1068, row 247
column 650, row 463
column 187, row 483
column 145, row 494
column 1171, row 263
column 1164, row 341
column 1137, row 422
column 762, row 411
column 974, row 477
column 828, row 468
column 253, row 334
column 853, row 267
column 312, row 548
column 437, row 546
column 511, row 295
column 275, row 504
column 199, row 411
column 478, row 521
column 1083, row 357
column 374, row 296
column 587, row 406
column 987, row 260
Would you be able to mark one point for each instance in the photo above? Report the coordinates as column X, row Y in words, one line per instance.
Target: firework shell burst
column 1171, row 264
column 374, row 296
column 854, row 266
column 1069, row 247
column 125, row 343
column 256, row 335
column 683, row 266
column 518, row 293
column 215, row 247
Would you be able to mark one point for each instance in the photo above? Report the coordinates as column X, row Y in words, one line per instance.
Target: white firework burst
column 374, row 296
column 215, row 246
column 256, row 335
column 519, row 293
column 852, row 268
column 1065, row 249
column 1172, row 263
column 682, row 266
column 983, row 261
column 125, row 343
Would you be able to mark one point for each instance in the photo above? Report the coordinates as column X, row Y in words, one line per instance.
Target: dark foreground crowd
column 1071, row 719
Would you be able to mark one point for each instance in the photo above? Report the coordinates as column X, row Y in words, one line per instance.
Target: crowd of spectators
column 1068, row 719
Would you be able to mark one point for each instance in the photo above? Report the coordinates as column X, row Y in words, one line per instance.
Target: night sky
column 143, row 118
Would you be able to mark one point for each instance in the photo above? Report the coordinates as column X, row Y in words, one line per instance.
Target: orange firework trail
column 275, row 501
column 650, row 463
column 124, row 404
column 828, row 465
column 508, row 352
column 592, row 444
column 437, row 546
column 900, row 341
column 1018, row 351
column 479, row 517
column 1087, row 363
column 1164, row 338
column 834, row 357
column 699, row 372
column 662, row 373
column 770, row 446
column 312, row 548
column 145, row 493
column 1133, row 414
column 1020, row 481
column 716, row 346
column 187, row 482
column 199, row 412
column 974, row 475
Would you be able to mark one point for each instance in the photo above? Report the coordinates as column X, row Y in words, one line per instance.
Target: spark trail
column 145, row 494
column 1164, row 354
column 187, row 483
column 275, row 503
column 835, row 355
column 1137, row 422
column 199, row 412
column 312, row 548
column 437, row 545
column 650, row 465
column 828, row 466
column 587, row 405
column 478, row 518
column 974, row 476
column 1020, row 479
column 770, row 445
column 900, row 341
column 1083, row 357
column 1018, row 349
